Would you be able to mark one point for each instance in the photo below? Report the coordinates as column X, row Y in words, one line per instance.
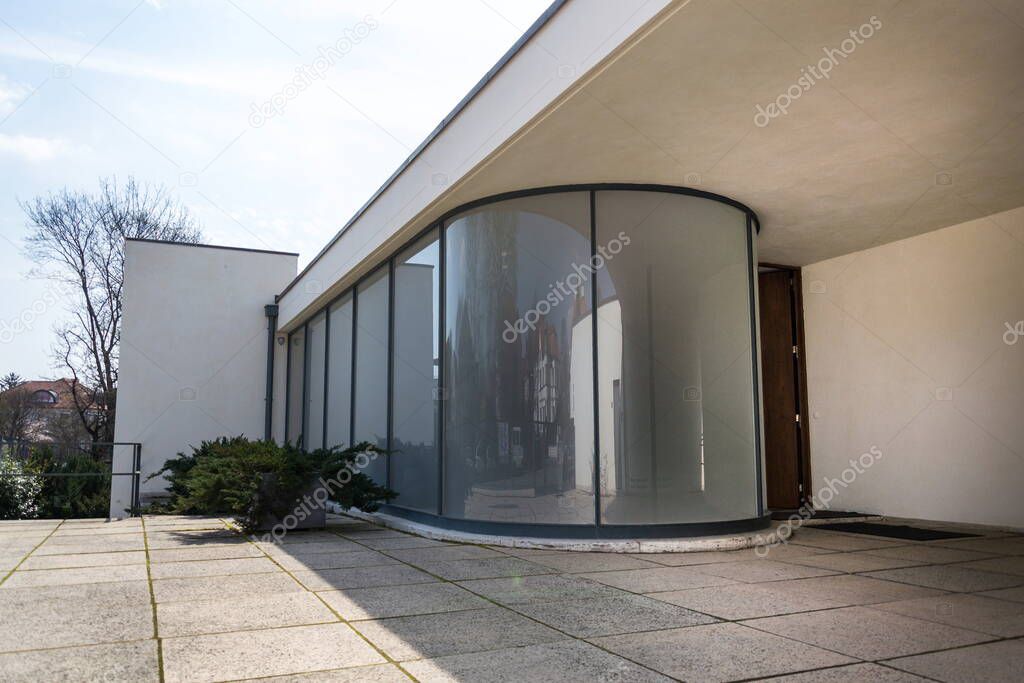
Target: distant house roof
column 55, row 394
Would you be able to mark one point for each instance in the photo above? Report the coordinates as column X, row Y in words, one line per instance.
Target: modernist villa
column 669, row 267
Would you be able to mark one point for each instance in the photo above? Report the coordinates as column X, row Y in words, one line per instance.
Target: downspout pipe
column 270, row 310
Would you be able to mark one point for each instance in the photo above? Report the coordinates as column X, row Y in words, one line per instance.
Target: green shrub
column 254, row 480
column 83, row 492
column 18, row 494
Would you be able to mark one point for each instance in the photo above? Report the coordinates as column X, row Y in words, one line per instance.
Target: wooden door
column 780, row 376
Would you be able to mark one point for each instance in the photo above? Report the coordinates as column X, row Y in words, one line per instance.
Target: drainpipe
column 270, row 310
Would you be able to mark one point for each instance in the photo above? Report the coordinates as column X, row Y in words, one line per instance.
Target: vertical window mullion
column 594, row 352
column 287, row 386
column 441, row 397
column 327, row 368
column 304, row 434
column 390, row 428
column 352, row 380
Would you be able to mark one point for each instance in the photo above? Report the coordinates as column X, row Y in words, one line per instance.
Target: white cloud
column 243, row 79
column 11, row 94
column 32, row 149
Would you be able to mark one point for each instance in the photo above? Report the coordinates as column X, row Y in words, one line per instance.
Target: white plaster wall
column 906, row 353
column 193, row 350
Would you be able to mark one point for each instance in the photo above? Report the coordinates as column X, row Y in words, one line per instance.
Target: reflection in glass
column 296, row 366
column 414, row 396
column 339, row 378
column 316, row 354
column 675, row 387
column 371, row 380
column 519, row 404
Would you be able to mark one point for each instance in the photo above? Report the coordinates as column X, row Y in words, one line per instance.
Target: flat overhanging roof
column 839, row 141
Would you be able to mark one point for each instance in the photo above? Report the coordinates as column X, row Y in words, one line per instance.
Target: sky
column 191, row 95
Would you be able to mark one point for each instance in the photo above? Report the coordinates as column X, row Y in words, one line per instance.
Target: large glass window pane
column 415, row 401
column 296, row 373
column 675, row 385
column 316, row 354
column 518, row 365
column 339, row 377
column 371, row 389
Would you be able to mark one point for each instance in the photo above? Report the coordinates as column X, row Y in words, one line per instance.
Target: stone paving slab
column 950, row 577
column 1002, row 565
column 851, row 673
column 67, row 577
column 758, row 571
column 247, row 565
column 747, row 601
column 230, row 656
column 223, row 607
column 449, row 633
column 974, row 612
column 374, row 673
column 85, row 560
column 542, row 588
column 660, row 579
column 401, row 601
column 341, row 560
column 208, row 551
column 361, row 577
column 60, row 616
column 571, row 660
column 213, row 587
column 273, row 610
column 488, row 568
column 314, row 548
column 719, row 652
column 612, row 616
column 866, row 633
column 1003, row 661
column 136, row 662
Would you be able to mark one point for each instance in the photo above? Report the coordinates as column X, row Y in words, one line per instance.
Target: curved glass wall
column 517, row 363
column 582, row 359
column 674, row 371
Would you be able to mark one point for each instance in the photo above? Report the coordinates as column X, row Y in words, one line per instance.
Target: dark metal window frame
column 597, row 529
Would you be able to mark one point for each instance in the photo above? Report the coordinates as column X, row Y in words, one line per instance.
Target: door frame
column 800, row 368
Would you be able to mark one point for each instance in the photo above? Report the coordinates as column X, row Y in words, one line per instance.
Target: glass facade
column 316, row 357
column 515, row 375
column 674, row 348
column 475, row 356
column 415, row 400
column 339, row 372
column 296, row 374
column 370, row 421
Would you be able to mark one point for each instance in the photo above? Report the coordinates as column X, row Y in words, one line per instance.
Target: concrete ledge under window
column 734, row 541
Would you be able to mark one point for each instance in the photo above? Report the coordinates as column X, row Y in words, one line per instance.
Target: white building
column 821, row 215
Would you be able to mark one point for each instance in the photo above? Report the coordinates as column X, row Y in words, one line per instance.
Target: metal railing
column 72, row 479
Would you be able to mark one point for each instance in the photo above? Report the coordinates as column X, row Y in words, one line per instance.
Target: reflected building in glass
column 566, row 361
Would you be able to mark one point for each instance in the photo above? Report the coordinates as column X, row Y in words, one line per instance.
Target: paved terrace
column 187, row 599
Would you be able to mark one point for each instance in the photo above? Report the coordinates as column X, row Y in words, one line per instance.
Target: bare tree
column 17, row 412
column 78, row 240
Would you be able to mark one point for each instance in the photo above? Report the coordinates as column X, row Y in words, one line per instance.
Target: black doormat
column 902, row 531
column 780, row 515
